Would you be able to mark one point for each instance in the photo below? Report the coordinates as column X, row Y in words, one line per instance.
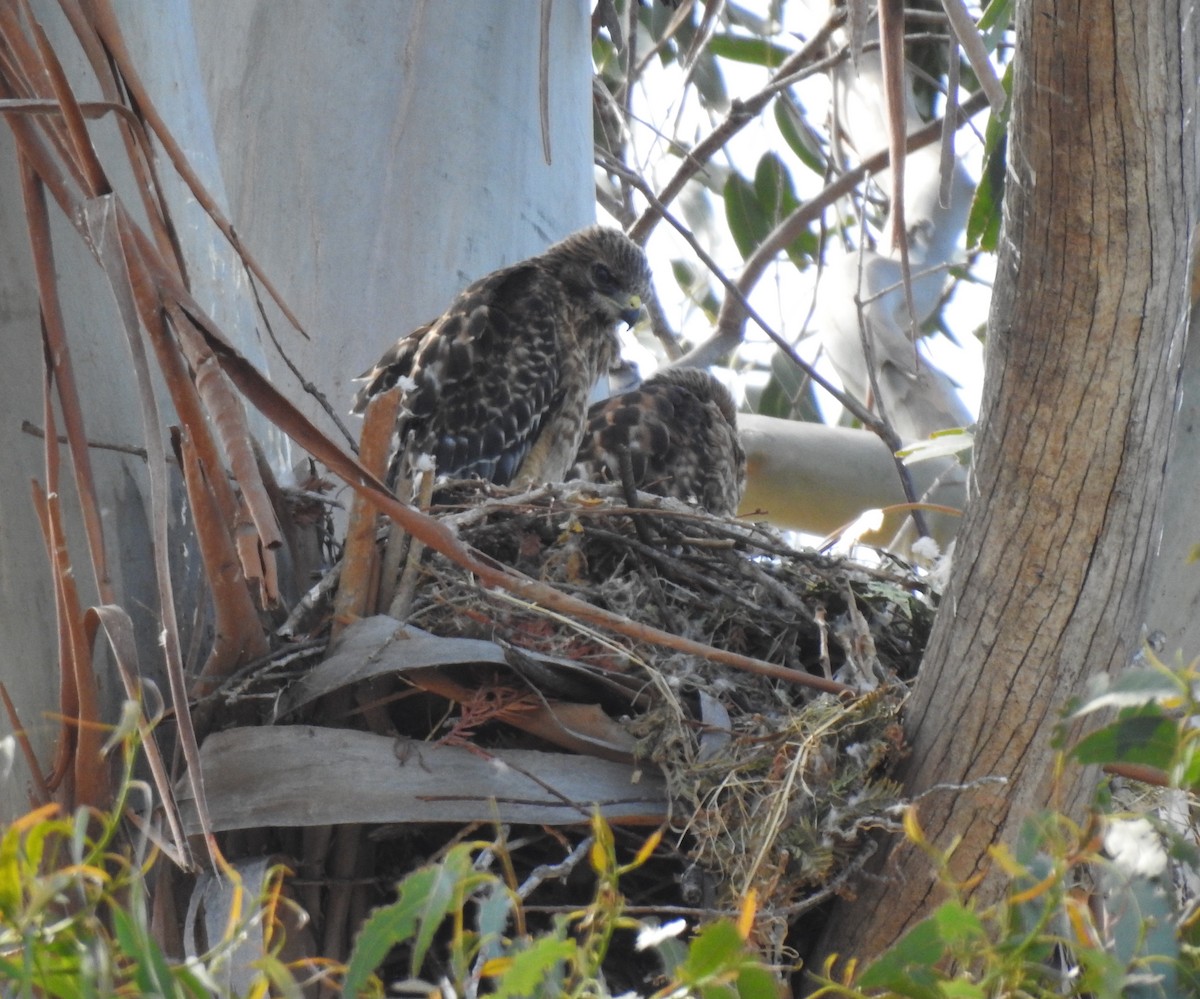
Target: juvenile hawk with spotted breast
column 497, row 386
column 679, row 429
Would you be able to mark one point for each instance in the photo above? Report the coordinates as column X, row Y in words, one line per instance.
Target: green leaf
column 10, row 875
column 777, row 196
column 941, row 444
column 54, row 968
column 958, row 989
column 1144, row 736
column 426, row 897
column 716, row 990
column 715, row 948
column 909, row 965
column 710, row 82
column 1141, row 926
column 530, row 968
column 773, row 186
column 695, row 286
column 983, row 223
column 1187, row 767
column 994, row 22
column 494, row 909
column 748, row 222
column 799, row 137
column 151, row 973
column 788, row 393
column 957, row 925
column 756, row 982
column 743, row 48
column 1133, row 688
column 754, row 209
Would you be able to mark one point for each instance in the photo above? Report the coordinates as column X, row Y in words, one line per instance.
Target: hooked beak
column 633, row 312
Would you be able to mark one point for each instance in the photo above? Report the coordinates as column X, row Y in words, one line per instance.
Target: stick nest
column 772, row 783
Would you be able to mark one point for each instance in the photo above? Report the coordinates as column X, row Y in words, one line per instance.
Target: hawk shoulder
column 680, row 431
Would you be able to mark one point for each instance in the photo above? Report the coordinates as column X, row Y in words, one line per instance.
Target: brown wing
column 395, row 364
column 680, row 431
column 497, row 387
column 483, row 376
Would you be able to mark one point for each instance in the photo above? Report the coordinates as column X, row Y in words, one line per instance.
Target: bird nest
column 774, row 768
column 739, row 692
column 729, row 584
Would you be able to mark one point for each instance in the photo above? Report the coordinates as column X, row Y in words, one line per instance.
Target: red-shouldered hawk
column 497, row 387
column 680, row 429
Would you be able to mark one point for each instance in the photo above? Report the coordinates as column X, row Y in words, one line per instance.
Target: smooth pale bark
column 862, row 306
column 370, row 182
column 815, row 478
column 1173, row 611
column 1085, row 342
column 380, row 156
column 164, row 47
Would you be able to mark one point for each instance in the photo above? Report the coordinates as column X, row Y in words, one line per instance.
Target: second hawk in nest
column 497, row 387
column 679, row 431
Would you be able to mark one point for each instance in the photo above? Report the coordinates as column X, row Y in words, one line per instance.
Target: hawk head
column 604, row 270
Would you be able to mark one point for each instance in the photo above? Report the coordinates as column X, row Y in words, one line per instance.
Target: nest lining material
column 771, row 784
column 727, row 583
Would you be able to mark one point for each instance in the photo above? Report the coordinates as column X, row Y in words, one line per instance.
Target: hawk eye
column 603, row 278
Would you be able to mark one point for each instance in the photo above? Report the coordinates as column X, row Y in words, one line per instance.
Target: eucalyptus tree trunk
column 163, row 41
column 1085, row 342
column 408, row 158
column 373, row 157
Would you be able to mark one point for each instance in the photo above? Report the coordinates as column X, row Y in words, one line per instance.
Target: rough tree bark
column 1085, row 340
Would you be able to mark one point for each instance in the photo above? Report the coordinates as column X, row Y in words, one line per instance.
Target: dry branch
column 238, row 633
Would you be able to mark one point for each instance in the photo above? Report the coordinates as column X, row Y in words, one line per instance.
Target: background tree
column 315, row 233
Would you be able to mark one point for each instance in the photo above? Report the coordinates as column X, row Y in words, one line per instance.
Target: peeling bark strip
column 1084, row 347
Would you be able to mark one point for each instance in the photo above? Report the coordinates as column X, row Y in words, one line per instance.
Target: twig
column 1139, row 772
column 559, row 872
column 318, row 594
column 35, row 431
column 741, row 113
column 402, row 602
column 733, row 316
column 40, row 792
column 306, row 384
column 625, row 465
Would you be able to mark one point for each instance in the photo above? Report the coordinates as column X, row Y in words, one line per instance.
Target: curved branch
column 740, row 115
column 733, row 315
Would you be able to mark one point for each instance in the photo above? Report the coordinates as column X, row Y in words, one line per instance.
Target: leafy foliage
column 745, row 111
column 565, row 960
column 1089, row 909
column 75, row 917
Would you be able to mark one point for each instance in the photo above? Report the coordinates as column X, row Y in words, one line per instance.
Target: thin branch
column 967, row 32
column 35, row 431
column 305, row 383
column 732, row 317
column 741, row 113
